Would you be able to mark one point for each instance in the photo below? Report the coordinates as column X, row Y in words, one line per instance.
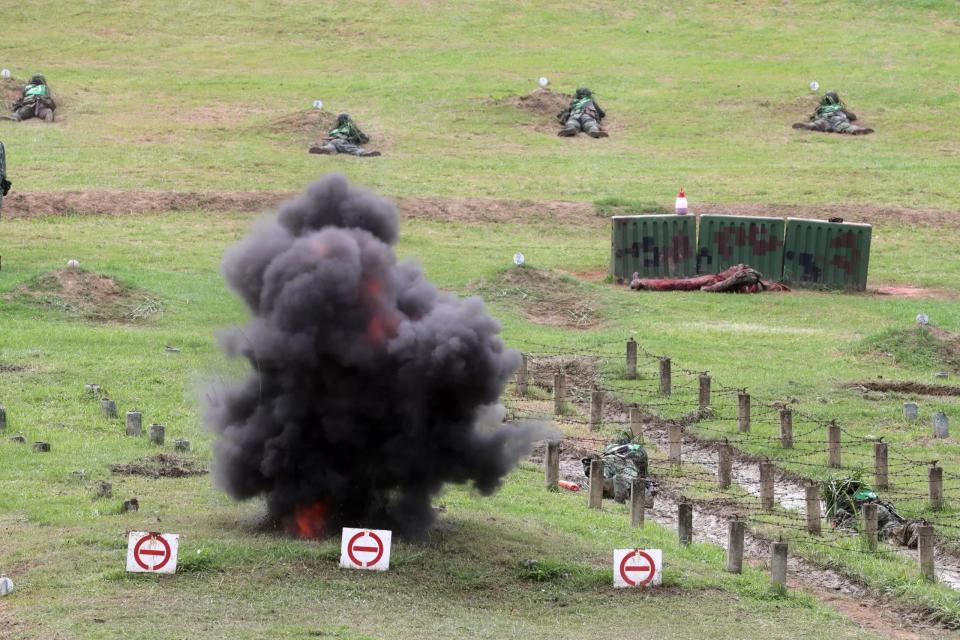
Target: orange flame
column 311, row 521
column 383, row 322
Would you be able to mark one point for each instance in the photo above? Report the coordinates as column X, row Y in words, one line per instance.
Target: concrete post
column 833, row 445
column 675, row 434
column 134, row 423
column 735, row 546
column 551, row 465
column 631, row 359
column 704, row 397
column 666, row 384
column 926, row 545
column 786, row 428
column 778, row 565
column 522, row 376
column 108, row 407
column 813, row 508
column 638, row 498
column 743, row 412
column 596, row 409
column 941, row 427
column 870, row 525
column 766, row 486
column 635, row 426
column 3, row 417
column 596, row 484
column 724, row 465
column 936, row 487
column 911, row 411
column 156, row 434
column 880, row 465
column 558, row 393
column 685, row 523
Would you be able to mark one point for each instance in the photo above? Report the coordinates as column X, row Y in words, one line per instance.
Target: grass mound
column 541, row 102
column 89, row 295
column 546, row 298
column 920, row 347
column 160, row 466
column 309, row 124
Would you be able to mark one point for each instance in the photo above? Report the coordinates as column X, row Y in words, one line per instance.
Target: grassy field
column 190, row 96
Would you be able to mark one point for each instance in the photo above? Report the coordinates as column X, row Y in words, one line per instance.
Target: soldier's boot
column 322, row 149
column 597, row 133
column 15, row 117
column 369, row 154
column 48, row 116
column 861, row 131
column 809, row 126
column 568, row 132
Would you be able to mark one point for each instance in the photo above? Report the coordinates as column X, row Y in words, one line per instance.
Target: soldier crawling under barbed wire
column 346, row 137
column 35, row 101
column 623, row 462
column 583, row 114
column 833, row 116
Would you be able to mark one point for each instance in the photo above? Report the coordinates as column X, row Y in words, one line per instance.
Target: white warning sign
column 149, row 552
column 365, row 549
column 637, row 567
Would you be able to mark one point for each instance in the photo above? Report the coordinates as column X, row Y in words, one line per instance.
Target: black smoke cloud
column 370, row 389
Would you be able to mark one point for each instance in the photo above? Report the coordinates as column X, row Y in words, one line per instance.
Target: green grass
column 181, row 95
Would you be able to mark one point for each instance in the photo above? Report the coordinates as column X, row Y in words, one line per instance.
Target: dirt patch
column 542, row 102
column 89, row 295
column 161, row 466
column 308, row 125
column 914, row 388
column 10, row 367
column 546, row 298
column 919, row 293
column 11, row 89
column 918, row 346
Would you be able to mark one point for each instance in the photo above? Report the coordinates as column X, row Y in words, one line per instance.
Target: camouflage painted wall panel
column 3, row 170
column 728, row 240
column 833, row 255
column 655, row 246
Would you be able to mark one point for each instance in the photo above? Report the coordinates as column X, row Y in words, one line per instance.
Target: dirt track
column 480, row 210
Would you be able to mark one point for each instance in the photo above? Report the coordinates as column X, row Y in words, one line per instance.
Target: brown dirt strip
column 908, row 387
column 479, row 210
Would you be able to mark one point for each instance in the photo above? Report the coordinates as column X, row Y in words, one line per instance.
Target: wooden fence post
column 522, row 376
column 735, row 546
column 685, row 523
column 833, row 445
column 596, row 484
column 778, row 565
column 638, row 499
column 936, row 487
column 551, row 465
column 766, row 486
column 926, row 545
column 870, row 525
column 675, row 434
column 880, row 478
column 724, row 465
column 631, row 359
column 704, row 397
column 666, row 384
column 596, row 409
column 635, row 426
column 786, row 428
column 558, row 393
column 743, row 412
column 813, row 508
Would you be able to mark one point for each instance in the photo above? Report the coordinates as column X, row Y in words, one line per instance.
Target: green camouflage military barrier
column 725, row 241
column 825, row 254
column 656, row 246
column 3, row 171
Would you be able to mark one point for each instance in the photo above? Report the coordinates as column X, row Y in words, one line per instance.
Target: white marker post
column 365, row 549
column 149, row 552
column 637, row 567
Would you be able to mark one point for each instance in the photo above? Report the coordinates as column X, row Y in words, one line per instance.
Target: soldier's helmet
column 343, row 118
column 38, row 79
column 583, row 92
column 830, row 98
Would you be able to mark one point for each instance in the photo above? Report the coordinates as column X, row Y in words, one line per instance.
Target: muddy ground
column 162, row 465
column 545, row 297
column 89, row 295
column 914, row 388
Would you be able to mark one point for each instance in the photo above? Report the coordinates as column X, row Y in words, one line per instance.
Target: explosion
column 369, row 388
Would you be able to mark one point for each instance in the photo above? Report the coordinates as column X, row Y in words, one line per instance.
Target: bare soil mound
column 923, row 347
column 918, row 293
column 915, row 388
column 89, row 295
column 309, row 124
column 546, row 298
column 160, row 466
column 12, row 367
column 542, row 102
column 11, row 89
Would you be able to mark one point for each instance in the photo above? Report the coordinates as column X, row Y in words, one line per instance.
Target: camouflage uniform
column 622, row 464
column 832, row 116
column 4, row 183
column 36, row 101
column 346, row 137
column 583, row 114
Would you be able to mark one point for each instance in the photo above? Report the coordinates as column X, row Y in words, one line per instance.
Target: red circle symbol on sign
column 645, row 568
column 152, row 552
column 359, row 544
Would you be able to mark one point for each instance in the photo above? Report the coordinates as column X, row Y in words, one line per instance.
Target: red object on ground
column 737, row 279
column 570, row 486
